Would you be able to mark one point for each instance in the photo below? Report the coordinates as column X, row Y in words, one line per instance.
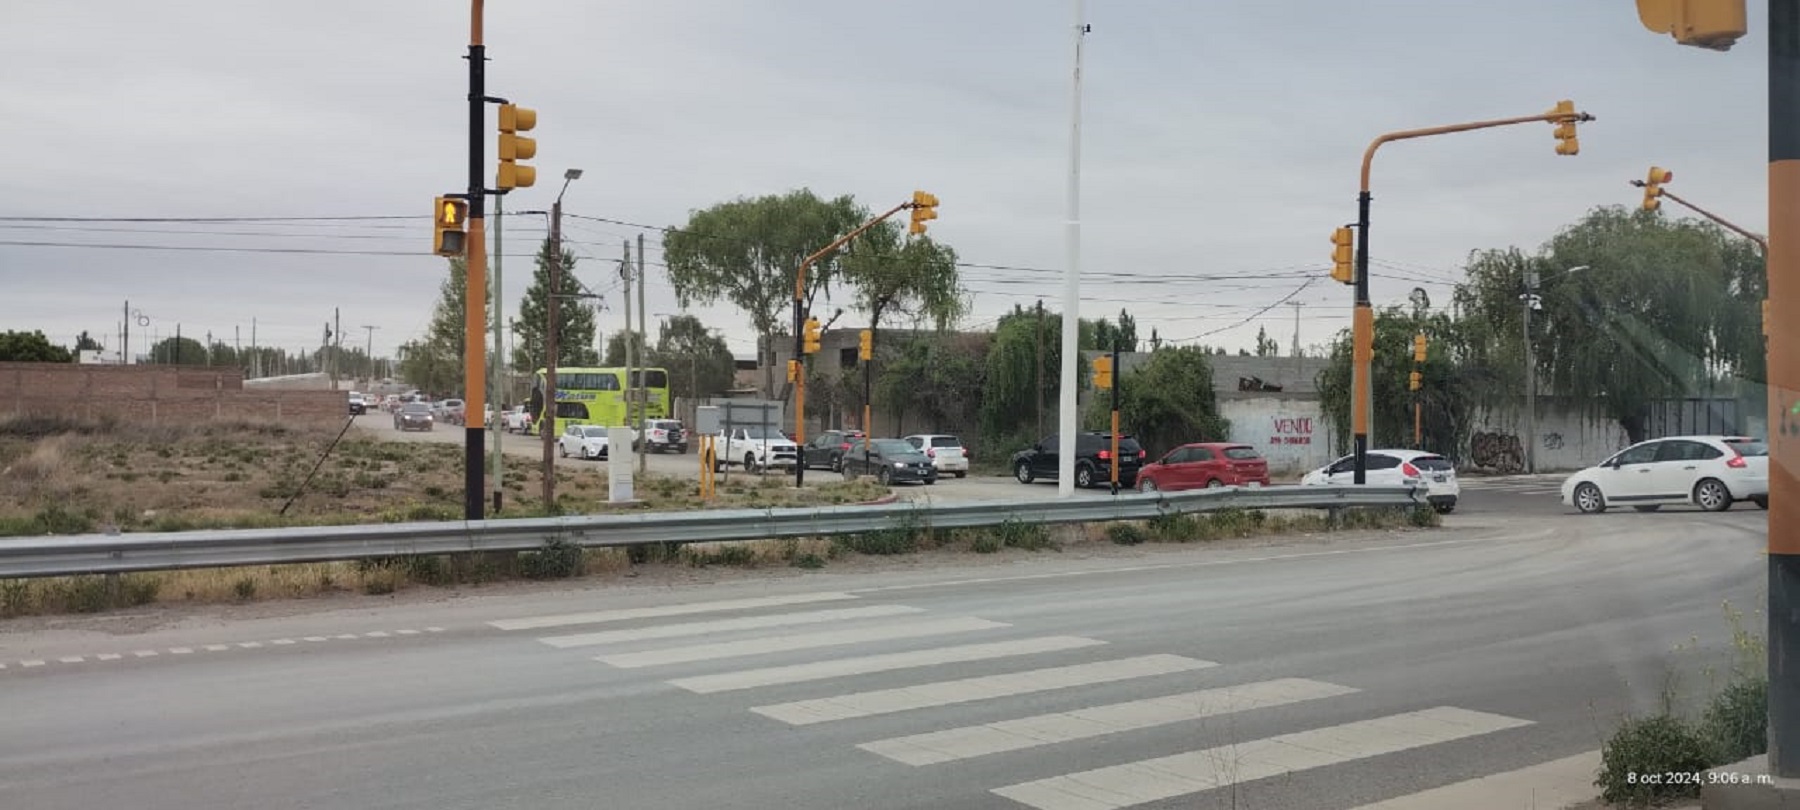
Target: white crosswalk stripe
column 831, row 644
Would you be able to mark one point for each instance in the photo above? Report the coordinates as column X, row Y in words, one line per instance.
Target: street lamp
column 1531, row 300
column 547, row 420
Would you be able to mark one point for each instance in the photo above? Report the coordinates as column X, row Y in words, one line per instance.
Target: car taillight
column 931, row 452
column 1736, row 462
column 1141, row 455
column 1105, row 455
column 844, row 446
column 1408, row 470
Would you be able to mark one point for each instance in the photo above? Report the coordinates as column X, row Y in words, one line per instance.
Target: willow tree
column 1454, row 381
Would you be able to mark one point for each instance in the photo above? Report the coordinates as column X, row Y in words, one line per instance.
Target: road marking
column 145, row 653
column 1059, row 727
column 345, row 636
column 664, row 611
column 282, row 642
column 434, row 629
column 73, row 659
column 842, row 667
column 407, row 632
column 218, row 647
column 180, row 650
column 727, row 625
column 1182, row 774
column 803, row 641
column 1132, row 569
column 317, row 638
column 1558, row 783
column 967, row 690
column 250, row 645
column 376, row 634
column 30, row 664
column 108, row 657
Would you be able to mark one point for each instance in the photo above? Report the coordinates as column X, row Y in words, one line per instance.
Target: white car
column 1711, row 472
column 946, row 452
column 515, row 419
column 1396, row 468
column 583, row 441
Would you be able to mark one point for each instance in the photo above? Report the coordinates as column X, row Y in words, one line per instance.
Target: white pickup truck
column 755, row 448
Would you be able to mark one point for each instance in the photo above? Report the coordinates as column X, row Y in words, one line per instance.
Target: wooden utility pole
column 1038, row 393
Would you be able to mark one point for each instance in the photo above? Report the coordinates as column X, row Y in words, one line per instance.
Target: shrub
column 1176, row 528
column 244, row 589
column 1651, row 745
column 427, row 569
column 16, row 598
column 1126, row 534
column 985, row 542
column 558, row 559
column 1736, row 721
column 1028, row 536
column 731, row 555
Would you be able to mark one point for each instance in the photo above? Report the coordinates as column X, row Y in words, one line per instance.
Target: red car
column 1205, row 464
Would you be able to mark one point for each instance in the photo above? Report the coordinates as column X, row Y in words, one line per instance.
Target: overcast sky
column 1218, row 139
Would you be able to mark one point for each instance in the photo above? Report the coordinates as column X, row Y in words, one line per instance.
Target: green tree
column 1455, row 381
column 746, row 251
column 698, row 359
column 931, row 377
column 435, row 362
column 1265, row 345
column 615, row 348
column 1009, row 395
column 1166, row 401
column 575, row 339
column 182, row 351
column 1100, row 335
column 910, row 278
column 31, row 347
column 86, row 343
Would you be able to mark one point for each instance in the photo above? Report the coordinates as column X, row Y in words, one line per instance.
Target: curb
column 884, row 500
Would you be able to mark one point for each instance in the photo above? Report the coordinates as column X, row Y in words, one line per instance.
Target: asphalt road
column 1309, row 677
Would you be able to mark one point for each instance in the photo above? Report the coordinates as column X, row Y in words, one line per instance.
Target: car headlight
column 900, row 464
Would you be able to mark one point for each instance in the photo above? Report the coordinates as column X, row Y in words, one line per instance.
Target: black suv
column 1093, row 460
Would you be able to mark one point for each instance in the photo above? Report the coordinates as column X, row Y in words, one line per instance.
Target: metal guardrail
column 161, row 551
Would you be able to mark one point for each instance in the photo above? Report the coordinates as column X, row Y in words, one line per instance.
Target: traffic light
column 1653, row 187
column 515, row 147
column 1418, row 348
column 924, row 207
column 1343, row 256
column 448, row 217
column 1711, row 24
column 810, row 341
column 1566, row 142
column 1414, row 381
column 1103, row 372
column 866, row 346
column 793, row 371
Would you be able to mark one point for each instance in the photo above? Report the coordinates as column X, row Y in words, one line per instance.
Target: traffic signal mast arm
column 1723, row 222
column 1556, row 116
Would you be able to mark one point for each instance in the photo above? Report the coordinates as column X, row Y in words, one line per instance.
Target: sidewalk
column 1561, row 784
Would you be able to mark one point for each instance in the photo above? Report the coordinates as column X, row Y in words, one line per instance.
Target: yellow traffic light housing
column 810, row 339
column 1343, row 256
column 924, row 208
column 515, row 147
column 1712, row 24
column 866, row 345
column 1414, row 381
column 1566, row 142
column 1653, row 183
column 1103, row 372
column 793, row 371
column 1418, row 348
column 450, row 216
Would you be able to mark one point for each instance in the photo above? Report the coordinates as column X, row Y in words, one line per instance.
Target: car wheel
column 1214, row 484
column 885, row 477
column 961, row 474
column 1650, row 507
column 1444, row 508
column 1712, row 495
column 930, row 481
column 1589, row 500
column 1762, row 502
column 749, row 461
column 1084, row 476
column 560, row 448
column 837, row 464
column 1022, row 471
column 1146, row 485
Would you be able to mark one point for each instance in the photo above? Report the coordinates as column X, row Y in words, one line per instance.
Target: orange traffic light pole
column 475, row 278
column 1784, row 390
column 800, row 329
column 1363, row 323
column 1761, row 243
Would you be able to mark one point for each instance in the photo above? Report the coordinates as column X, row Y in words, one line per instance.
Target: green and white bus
column 598, row 396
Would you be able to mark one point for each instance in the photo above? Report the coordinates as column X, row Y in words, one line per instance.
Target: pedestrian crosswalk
column 836, row 660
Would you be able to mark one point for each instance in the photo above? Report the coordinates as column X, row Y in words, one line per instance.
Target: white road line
column 72, row 659
column 29, row 664
column 842, row 667
column 317, row 638
column 218, row 647
column 434, row 629
column 376, row 634
column 145, row 653
column 1059, row 727
column 803, row 641
column 108, row 657
column 1182, row 774
column 346, row 636
column 967, row 690
column 1558, row 783
column 728, row 625
column 180, row 650
column 250, row 645
column 664, row 611
column 407, row 632
column 282, row 642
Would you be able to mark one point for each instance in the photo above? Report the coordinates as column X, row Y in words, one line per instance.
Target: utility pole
column 1529, row 300
column 125, row 337
column 337, row 344
column 209, row 345
column 1071, row 314
column 643, row 381
column 1038, row 392
column 237, row 343
column 547, row 418
column 369, row 353
column 255, row 353
column 1118, row 378
column 499, row 366
column 625, row 273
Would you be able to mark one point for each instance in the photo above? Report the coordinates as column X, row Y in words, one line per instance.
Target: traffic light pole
column 475, row 279
column 546, row 420
column 1118, row 378
column 800, row 329
column 1784, row 390
column 1761, row 243
column 1362, row 406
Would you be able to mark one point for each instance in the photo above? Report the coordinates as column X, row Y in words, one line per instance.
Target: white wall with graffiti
column 1566, row 441
column 1291, row 432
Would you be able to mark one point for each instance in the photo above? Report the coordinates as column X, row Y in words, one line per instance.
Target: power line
column 1253, row 316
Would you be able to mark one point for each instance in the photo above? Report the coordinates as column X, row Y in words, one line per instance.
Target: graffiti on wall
column 1553, row 441
column 1291, row 430
column 1500, row 452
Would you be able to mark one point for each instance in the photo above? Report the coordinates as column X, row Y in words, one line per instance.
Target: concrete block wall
column 1291, row 432
column 154, row 394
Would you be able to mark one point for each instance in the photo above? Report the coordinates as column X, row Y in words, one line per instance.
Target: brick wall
column 154, row 394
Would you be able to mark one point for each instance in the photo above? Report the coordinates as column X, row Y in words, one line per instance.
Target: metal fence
column 159, row 551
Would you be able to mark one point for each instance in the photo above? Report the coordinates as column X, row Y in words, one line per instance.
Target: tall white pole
column 1067, row 418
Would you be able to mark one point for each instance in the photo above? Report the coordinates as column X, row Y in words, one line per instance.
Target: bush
column 984, row 542
column 1028, row 536
column 1126, row 534
column 1175, row 528
column 809, row 560
column 426, row 569
column 1651, row 745
column 731, row 555
column 1736, row 722
column 558, row 559
column 244, row 589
